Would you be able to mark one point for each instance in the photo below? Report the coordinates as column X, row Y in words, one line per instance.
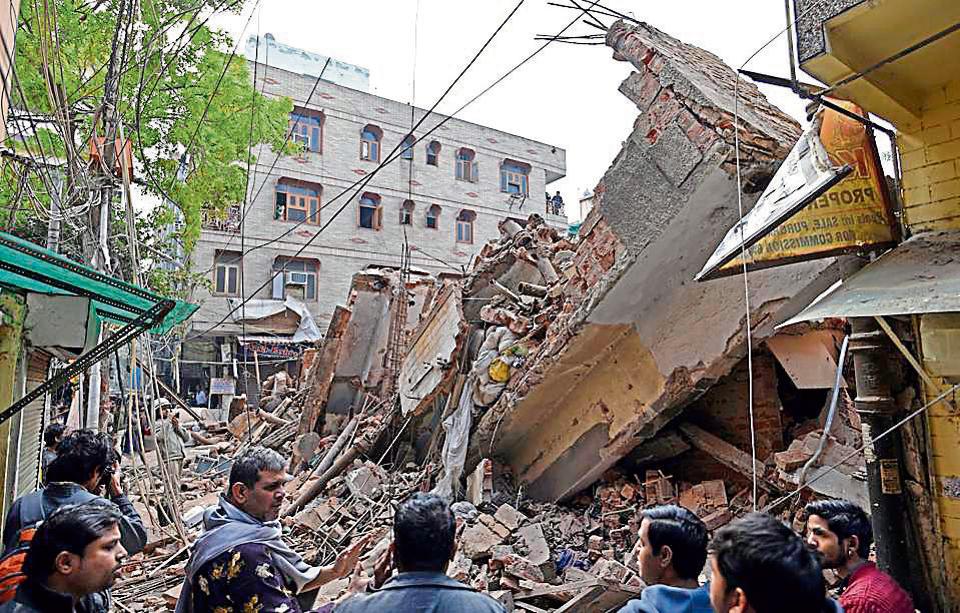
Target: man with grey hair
column 240, row 562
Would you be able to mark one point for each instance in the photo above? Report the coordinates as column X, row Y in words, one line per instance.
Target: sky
column 566, row 96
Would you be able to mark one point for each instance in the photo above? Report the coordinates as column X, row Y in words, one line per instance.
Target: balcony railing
column 230, row 222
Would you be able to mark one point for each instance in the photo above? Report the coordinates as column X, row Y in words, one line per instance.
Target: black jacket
column 424, row 593
column 133, row 535
column 33, row 597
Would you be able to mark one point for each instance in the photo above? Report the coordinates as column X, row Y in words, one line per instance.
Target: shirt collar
column 43, row 598
column 421, row 579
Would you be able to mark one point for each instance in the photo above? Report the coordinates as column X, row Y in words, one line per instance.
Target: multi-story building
column 444, row 196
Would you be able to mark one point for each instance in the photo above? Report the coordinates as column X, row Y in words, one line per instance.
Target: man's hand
column 383, row 567
column 347, row 561
column 115, row 488
column 174, row 419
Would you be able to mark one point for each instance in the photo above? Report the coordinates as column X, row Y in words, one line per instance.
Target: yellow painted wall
column 930, row 156
column 930, row 159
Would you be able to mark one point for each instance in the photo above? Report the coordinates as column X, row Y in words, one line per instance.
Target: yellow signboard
column 852, row 215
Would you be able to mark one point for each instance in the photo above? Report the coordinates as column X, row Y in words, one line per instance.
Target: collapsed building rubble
column 562, row 385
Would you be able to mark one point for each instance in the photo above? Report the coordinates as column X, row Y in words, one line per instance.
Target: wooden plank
column 321, row 376
column 556, row 589
column 724, row 453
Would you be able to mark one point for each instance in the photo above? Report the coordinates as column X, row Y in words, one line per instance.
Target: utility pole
column 877, row 409
column 100, row 215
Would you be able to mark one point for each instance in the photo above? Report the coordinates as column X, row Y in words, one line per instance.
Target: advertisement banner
column 851, row 216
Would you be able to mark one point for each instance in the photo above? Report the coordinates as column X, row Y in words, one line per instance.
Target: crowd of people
column 69, row 541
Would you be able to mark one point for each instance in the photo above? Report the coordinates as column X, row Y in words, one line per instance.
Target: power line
column 392, row 156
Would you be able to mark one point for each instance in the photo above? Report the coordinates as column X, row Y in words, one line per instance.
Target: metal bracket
column 123, row 336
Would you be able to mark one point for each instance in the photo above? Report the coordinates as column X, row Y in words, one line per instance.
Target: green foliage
column 170, row 98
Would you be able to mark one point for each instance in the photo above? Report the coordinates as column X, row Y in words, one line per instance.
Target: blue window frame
column 306, row 128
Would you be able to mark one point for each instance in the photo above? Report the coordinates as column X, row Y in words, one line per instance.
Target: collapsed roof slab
column 643, row 339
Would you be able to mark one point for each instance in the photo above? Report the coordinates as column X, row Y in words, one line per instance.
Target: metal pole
column 877, row 409
column 53, row 226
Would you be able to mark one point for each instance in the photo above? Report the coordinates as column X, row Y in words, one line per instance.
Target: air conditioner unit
column 282, row 280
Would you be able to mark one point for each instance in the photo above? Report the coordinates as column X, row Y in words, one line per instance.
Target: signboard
column 849, row 215
column 224, row 386
column 265, row 349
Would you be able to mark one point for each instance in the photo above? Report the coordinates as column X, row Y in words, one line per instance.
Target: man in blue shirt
column 671, row 553
column 423, row 545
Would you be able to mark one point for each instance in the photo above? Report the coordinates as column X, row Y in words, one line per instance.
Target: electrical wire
column 390, row 158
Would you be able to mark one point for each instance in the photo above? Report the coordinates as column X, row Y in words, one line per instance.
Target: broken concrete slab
column 532, row 541
column 477, row 541
column 509, row 516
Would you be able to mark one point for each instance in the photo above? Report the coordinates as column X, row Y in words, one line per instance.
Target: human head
column 840, row 531
column 53, row 433
column 82, row 457
column 163, row 408
column 672, row 546
column 256, row 483
column 77, row 549
column 423, row 534
column 761, row 566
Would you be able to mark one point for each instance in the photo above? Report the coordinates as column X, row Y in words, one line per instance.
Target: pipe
column 830, row 414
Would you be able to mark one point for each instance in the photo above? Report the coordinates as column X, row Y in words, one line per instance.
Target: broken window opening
column 226, row 273
column 369, row 213
column 799, row 404
column 433, row 153
column 406, row 213
column 433, row 217
column 370, row 143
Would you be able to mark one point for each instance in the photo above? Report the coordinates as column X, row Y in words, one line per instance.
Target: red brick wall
column 724, row 409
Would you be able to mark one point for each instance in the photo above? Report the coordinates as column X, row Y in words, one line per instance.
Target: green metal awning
column 26, row 266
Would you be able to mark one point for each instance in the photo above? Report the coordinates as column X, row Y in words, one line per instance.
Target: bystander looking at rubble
column 424, row 543
column 52, row 436
column 758, row 565
column 840, row 531
column 240, row 562
column 671, row 553
column 75, row 553
column 171, row 440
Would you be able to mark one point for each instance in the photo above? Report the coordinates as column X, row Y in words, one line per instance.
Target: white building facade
column 444, row 196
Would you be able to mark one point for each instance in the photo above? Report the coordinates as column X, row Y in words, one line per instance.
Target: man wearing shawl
column 240, row 562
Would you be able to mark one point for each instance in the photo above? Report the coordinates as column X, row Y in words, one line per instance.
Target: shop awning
column 921, row 275
column 29, row 267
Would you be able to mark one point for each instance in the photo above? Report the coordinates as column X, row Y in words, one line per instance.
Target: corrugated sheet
column 922, row 275
column 31, row 426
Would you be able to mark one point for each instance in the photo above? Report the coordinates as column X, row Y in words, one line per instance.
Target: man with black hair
column 75, row 553
column 758, row 565
column 671, row 553
column 86, row 463
column 52, row 436
column 424, row 543
column 840, row 532
column 240, row 562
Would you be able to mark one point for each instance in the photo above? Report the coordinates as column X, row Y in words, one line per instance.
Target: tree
column 189, row 108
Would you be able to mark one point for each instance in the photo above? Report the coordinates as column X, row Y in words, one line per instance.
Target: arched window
column 433, row 217
column 297, row 201
column 370, row 143
column 406, row 213
column 370, row 213
column 306, row 128
column 433, row 153
column 406, row 150
column 467, row 165
column 465, row 221
column 515, row 177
